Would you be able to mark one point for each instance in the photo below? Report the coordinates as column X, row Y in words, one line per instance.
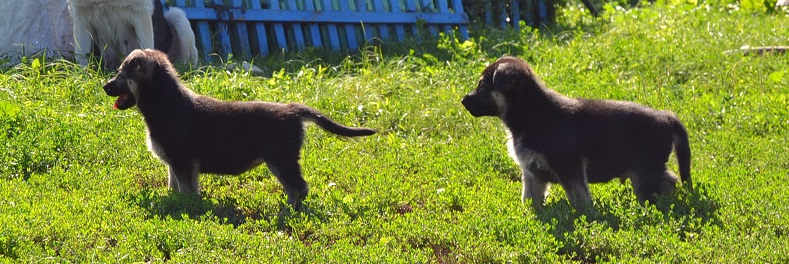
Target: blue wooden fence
column 509, row 13
column 247, row 28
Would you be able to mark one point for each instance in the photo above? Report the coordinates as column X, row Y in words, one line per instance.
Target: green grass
column 77, row 183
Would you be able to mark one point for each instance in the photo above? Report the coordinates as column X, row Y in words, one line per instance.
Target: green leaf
column 776, row 76
column 8, row 110
column 36, row 65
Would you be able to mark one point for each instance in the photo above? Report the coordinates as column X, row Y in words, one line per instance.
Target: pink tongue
column 121, row 97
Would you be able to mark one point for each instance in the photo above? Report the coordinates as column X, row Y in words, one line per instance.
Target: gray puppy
column 197, row 134
column 573, row 142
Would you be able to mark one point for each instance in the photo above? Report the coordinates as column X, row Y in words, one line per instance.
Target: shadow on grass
column 179, row 206
column 689, row 209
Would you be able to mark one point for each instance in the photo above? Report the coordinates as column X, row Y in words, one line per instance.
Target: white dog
column 113, row 28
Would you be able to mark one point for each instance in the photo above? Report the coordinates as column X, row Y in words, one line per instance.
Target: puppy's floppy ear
column 507, row 73
column 134, row 64
column 131, row 64
column 138, row 65
column 137, row 62
column 502, row 76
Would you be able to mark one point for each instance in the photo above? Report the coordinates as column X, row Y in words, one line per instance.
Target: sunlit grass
column 435, row 184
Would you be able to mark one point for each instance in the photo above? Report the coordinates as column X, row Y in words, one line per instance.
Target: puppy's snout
column 467, row 100
column 111, row 87
column 479, row 104
column 470, row 102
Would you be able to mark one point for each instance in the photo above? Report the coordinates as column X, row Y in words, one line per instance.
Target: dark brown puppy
column 197, row 134
column 574, row 142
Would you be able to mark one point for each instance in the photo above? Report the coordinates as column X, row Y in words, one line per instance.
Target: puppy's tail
column 682, row 150
column 182, row 47
column 310, row 114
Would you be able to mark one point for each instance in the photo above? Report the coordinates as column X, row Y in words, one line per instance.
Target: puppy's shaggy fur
column 116, row 27
column 574, row 142
column 197, row 134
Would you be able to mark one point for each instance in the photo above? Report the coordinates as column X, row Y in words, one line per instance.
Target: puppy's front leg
column 173, row 180
column 184, row 176
column 572, row 177
column 533, row 188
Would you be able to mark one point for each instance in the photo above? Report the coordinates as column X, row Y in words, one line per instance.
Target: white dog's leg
column 83, row 41
column 144, row 30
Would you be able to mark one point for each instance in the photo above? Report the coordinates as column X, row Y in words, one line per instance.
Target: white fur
column 501, row 103
column 119, row 26
column 116, row 26
column 182, row 48
column 133, row 89
column 532, row 186
column 535, row 187
column 155, row 148
column 185, row 184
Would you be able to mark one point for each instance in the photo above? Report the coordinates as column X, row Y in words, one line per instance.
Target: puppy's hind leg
column 288, row 172
column 650, row 182
column 184, row 175
column 578, row 193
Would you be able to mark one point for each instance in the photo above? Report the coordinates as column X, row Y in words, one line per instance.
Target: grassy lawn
column 77, row 183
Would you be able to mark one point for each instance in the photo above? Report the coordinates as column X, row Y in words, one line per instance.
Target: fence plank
column 410, row 7
column 315, row 32
column 350, row 30
column 260, row 31
column 426, row 6
column 399, row 27
column 279, row 29
column 204, row 33
column 543, row 9
column 222, row 31
column 240, row 28
column 383, row 29
column 443, row 7
column 503, row 16
column 457, row 6
column 368, row 29
column 516, row 15
column 297, row 27
column 334, row 35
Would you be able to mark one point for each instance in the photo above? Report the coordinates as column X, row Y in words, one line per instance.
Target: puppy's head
column 135, row 72
column 500, row 86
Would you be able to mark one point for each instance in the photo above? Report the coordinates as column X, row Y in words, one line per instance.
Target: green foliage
column 77, row 183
